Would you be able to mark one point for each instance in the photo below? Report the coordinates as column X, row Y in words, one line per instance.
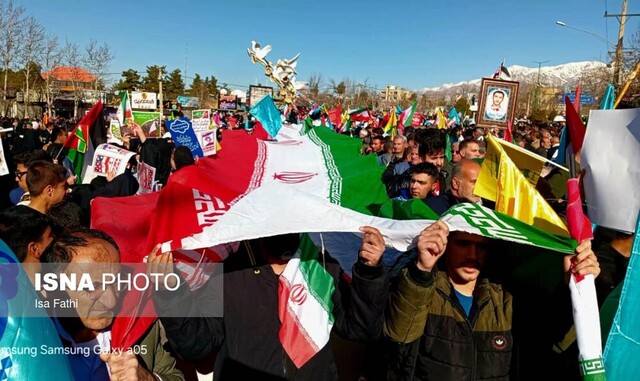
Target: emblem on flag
column 298, row 294
column 294, row 177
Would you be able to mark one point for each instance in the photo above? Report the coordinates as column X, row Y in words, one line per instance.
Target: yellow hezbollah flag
column 442, row 121
column 392, row 125
column 527, row 162
column 519, row 199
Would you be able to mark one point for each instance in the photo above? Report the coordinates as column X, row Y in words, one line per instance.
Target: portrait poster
column 208, row 141
column 497, row 103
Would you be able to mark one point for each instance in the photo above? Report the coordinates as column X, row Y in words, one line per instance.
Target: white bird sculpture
column 257, row 53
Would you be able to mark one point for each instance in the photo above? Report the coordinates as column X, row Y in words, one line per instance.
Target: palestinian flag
column 88, row 133
column 315, row 182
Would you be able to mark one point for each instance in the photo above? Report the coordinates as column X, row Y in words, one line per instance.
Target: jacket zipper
column 456, row 304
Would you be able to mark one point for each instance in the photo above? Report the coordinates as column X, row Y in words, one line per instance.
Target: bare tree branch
column 97, row 60
column 30, row 52
column 72, row 58
column 10, row 19
column 51, row 57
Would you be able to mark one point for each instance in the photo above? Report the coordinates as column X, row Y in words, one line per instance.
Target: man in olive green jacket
column 452, row 325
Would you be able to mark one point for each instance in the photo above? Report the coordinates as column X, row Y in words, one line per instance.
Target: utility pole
column 161, row 103
column 622, row 19
column 535, row 94
column 616, row 70
column 186, row 61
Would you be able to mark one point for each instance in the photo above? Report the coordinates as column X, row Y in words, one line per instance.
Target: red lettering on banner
column 208, row 209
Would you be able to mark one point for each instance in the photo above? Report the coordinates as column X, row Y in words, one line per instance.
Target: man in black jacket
column 247, row 336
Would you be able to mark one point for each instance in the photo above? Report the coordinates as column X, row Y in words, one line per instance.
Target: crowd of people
column 438, row 314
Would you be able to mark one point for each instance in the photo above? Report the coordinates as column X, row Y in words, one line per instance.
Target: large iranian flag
column 315, row 183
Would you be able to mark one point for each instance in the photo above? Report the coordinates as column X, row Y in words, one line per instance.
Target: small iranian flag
column 407, row 115
column 304, row 304
column 124, row 112
column 360, row 115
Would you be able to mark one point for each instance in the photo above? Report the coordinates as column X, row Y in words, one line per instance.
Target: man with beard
column 451, row 322
column 247, row 335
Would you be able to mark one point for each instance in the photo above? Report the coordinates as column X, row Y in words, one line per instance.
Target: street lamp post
column 561, row 23
column 618, row 59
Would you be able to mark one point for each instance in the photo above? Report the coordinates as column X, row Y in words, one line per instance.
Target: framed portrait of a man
column 497, row 103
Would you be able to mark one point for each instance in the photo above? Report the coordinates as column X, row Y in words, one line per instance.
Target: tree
column 339, row 88
column 97, row 60
column 212, row 85
column 131, row 81
column 71, row 57
column 314, row 82
column 224, row 88
column 31, row 51
column 462, row 106
column 51, row 57
column 203, row 89
column 151, row 81
column 11, row 18
column 539, row 116
column 174, row 85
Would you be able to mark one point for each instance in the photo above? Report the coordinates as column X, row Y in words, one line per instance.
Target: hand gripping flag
column 583, row 294
column 262, row 188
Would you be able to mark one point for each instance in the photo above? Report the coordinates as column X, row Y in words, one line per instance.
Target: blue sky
column 413, row 44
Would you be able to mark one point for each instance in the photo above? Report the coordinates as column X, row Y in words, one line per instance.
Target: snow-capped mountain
column 561, row 75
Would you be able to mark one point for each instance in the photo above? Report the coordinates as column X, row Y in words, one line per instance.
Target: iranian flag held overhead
column 313, row 182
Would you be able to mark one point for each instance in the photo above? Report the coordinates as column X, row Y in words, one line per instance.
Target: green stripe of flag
column 320, row 282
column 361, row 188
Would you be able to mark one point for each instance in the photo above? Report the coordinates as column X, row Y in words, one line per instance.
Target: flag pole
column 161, row 101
